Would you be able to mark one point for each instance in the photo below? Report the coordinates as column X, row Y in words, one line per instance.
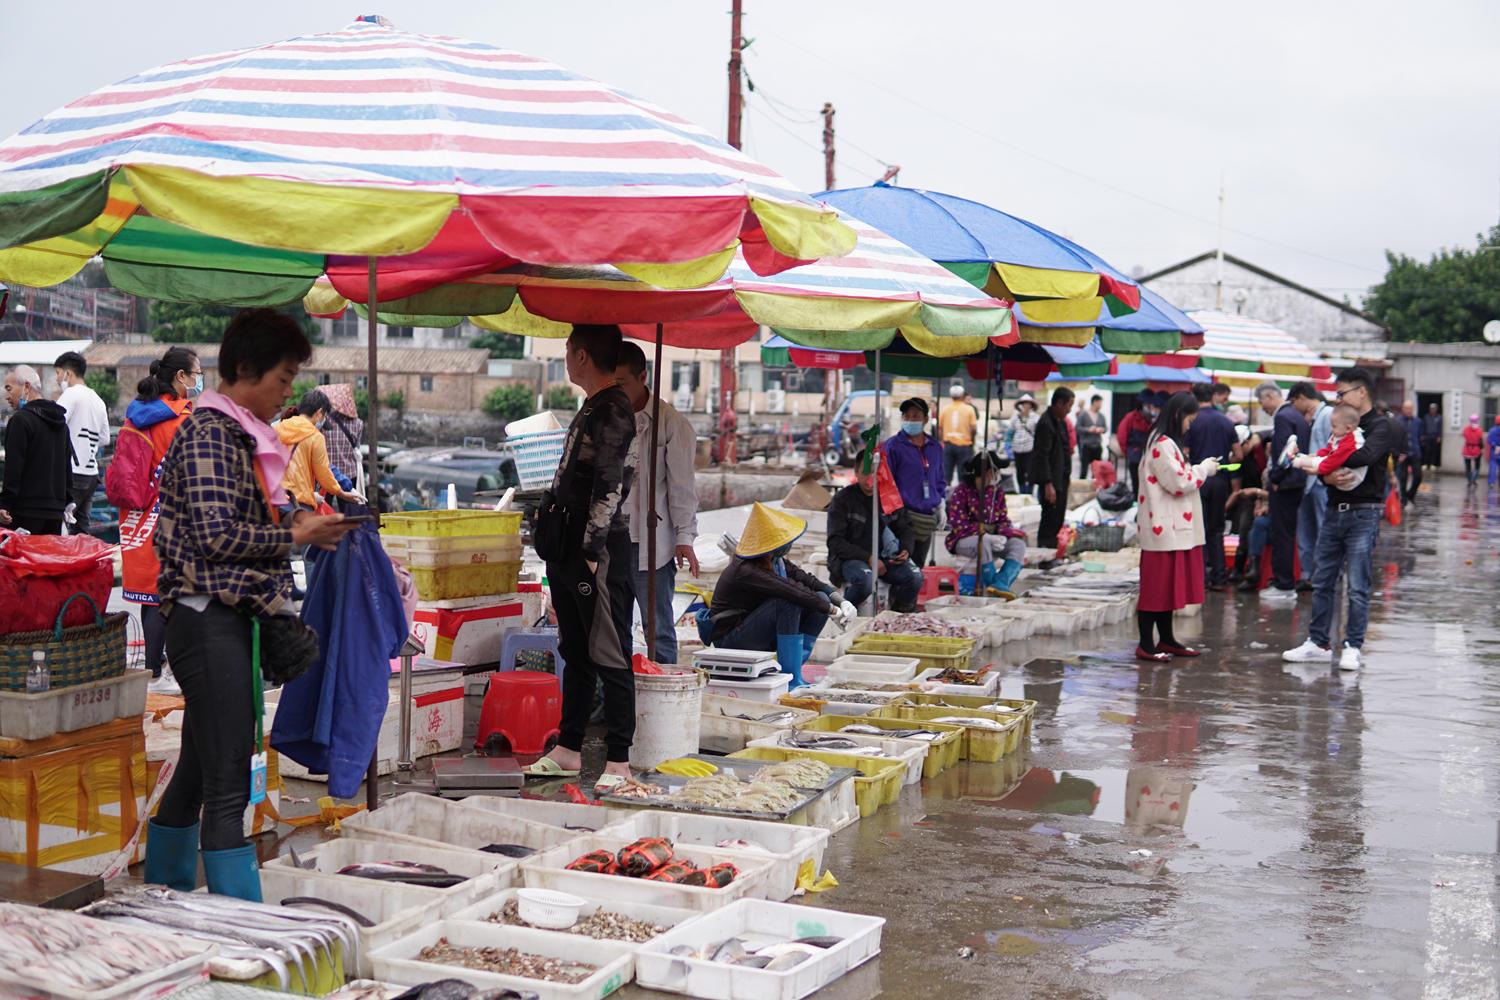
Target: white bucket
column 668, row 713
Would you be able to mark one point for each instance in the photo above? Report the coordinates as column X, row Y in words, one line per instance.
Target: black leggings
column 1161, row 622
column 210, row 654
column 155, row 627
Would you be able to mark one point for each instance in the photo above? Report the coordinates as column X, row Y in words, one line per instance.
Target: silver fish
column 728, row 950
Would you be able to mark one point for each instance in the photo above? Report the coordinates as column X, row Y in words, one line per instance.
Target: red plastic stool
column 524, row 707
column 933, row 578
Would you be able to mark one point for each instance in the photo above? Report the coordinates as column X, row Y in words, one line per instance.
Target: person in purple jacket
column 916, row 463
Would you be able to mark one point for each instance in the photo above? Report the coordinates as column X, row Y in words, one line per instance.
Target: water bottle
column 38, row 677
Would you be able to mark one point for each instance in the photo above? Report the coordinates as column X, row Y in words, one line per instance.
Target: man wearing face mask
column 916, row 461
column 88, row 430
column 849, row 545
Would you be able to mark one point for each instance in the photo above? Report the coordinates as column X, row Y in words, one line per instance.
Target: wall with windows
column 1463, row 378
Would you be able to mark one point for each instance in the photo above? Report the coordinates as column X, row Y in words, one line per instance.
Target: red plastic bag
column 50, row 555
column 1393, row 507
column 640, row 665
column 1102, row 473
column 885, row 483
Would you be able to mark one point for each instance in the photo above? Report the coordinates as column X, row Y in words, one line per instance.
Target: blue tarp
column 329, row 719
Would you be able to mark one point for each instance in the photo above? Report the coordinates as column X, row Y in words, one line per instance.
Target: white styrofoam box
column 786, row 846
column 437, row 725
column 487, row 873
column 662, row 916
column 719, row 731
column 869, row 668
column 542, row 871
column 759, row 923
column 414, row 822
column 398, row 962
column 988, row 687
column 66, row 709
column 768, row 688
column 396, row 910
column 469, row 635
column 563, row 815
column 911, row 756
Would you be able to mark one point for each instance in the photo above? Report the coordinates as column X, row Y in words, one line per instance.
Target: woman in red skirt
column 1169, row 521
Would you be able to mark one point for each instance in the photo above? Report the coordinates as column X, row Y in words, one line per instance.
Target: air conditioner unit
column 776, row 400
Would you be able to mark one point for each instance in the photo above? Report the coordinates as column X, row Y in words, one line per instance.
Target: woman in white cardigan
column 1169, row 521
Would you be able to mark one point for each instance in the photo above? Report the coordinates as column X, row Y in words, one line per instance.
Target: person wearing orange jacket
column 163, row 401
column 309, row 470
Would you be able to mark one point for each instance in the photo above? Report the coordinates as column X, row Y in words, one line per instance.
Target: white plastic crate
column 835, row 641
column 837, row 706
column 563, row 815
column 396, row 909
column 988, row 688
column 549, row 871
column 834, row 810
column 67, row 709
column 996, row 630
column 723, row 733
column 759, row 922
column 786, row 846
column 762, row 689
column 912, row 756
column 487, row 873
column 398, row 962
column 869, row 668
column 537, row 456
column 461, row 550
column 419, row 821
column 601, row 899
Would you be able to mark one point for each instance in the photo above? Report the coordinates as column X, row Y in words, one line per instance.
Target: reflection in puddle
column 1146, row 796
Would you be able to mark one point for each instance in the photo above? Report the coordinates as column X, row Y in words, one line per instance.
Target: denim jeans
column 759, row 629
column 1347, row 542
column 1310, row 524
column 954, row 456
column 905, row 581
column 666, row 583
column 1260, row 534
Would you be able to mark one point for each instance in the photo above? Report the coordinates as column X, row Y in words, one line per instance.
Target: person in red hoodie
column 163, row 401
column 1473, row 449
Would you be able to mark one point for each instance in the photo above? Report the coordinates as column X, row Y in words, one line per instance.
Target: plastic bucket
column 668, row 714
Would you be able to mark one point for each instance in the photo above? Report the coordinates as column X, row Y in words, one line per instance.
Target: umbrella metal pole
column 372, row 426
column 984, row 475
column 651, row 518
column 875, row 505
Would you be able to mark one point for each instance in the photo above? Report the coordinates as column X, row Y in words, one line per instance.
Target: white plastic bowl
column 555, row 911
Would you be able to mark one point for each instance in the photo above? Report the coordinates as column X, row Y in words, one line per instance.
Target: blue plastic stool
column 542, row 639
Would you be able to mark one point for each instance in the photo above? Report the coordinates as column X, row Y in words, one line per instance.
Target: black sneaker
column 1304, row 586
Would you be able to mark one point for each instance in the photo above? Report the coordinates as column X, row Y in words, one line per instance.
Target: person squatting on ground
column 1212, row 435
column 88, row 431
column 163, row 401
column 763, row 601
column 916, row 464
column 977, row 502
column 849, row 533
column 573, row 535
column 1259, row 535
column 1169, row 523
column 676, row 501
column 225, row 561
column 1052, row 466
column 1349, row 528
column 38, row 466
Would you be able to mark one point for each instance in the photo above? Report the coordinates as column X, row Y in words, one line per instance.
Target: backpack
column 130, row 481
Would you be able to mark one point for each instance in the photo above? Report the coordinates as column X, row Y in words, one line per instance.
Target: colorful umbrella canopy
column 443, row 157
column 1007, row 256
column 1156, row 327
column 1024, row 362
column 854, row 302
column 1133, row 376
column 1236, row 349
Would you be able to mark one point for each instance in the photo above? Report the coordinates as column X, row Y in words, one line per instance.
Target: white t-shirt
column 88, row 427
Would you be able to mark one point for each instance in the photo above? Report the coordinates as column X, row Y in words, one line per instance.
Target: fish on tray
column 770, row 718
column 861, row 729
column 407, row 872
column 975, row 723
column 457, row 989
column 770, row 956
column 802, row 740
column 509, row 850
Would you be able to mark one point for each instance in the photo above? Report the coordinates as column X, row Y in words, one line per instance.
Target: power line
column 755, row 106
column 1068, row 169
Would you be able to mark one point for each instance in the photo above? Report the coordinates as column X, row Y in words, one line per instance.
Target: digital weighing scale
column 736, row 664
column 458, row 777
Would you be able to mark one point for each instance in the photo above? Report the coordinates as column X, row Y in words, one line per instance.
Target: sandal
column 608, row 783
column 546, row 767
column 1176, row 650
column 1158, row 657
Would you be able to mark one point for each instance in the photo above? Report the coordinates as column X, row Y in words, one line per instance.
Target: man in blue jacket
column 1284, row 483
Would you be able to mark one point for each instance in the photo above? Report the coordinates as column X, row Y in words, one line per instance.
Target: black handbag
column 549, row 537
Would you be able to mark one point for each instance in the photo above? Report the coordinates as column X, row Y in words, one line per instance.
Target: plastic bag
column 1393, row 507
column 50, row 555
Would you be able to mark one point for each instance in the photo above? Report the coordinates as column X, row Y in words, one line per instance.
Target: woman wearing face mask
column 163, row 401
column 916, row 463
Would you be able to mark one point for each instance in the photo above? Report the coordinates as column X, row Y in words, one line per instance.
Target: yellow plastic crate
column 877, row 784
column 980, row 743
column 445, row 583
column 451, row 523
column 1024, row 707
column 932, row 651
column 942, row 753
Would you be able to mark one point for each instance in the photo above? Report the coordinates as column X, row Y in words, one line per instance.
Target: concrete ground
column 1230, row 827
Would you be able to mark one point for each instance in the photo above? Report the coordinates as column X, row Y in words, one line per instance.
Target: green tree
column 301, row 388
column 190, row 323
column 560, row 397
column 500, row 345
column 105, row 385
column 1446, row 299
column 394, row 401
column 509, row 402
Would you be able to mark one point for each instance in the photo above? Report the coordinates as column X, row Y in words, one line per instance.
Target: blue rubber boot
column 234, row 872
column 808, row 642
column 1006, row 578
column 172, row 856
column 966, row 584
column 789, row 655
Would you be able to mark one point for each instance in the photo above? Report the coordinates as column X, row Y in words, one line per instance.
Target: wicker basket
column 1100, row 538
column 74, row 655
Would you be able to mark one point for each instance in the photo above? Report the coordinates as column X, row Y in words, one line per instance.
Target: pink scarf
column 271, row 456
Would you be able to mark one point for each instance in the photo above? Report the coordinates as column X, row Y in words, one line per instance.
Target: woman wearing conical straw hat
column 763, row 601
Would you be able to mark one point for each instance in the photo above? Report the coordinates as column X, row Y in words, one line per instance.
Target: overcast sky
column 1341, row 129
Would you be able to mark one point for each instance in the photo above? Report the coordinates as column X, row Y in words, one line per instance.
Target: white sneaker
column 165, row 684
column 1276, row 594
column 1350, row 659
column 1308, row 652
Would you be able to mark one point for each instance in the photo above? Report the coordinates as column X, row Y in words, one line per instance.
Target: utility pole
column 891, row 173
column 828, row 181
column 1219, row 253
column 726, row 449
